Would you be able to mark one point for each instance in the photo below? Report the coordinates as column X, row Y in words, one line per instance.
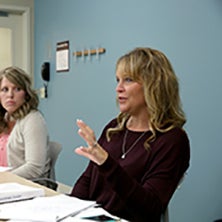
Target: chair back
column 165, row 215
column 54, row 151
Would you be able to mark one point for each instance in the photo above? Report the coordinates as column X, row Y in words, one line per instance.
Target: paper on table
column 93, row 211
column 3, row 169
column 48, row 209
column 15, row 191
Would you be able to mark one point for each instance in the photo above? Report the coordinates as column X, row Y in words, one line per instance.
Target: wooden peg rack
column 89, row 52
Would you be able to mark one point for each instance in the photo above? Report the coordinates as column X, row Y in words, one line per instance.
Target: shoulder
column 176, row 134
column 176, row 137
column 176, row 141
column 112, row 123
column 33, row 116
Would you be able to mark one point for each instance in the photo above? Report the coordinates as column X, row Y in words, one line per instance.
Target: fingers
column 86, row 133
column 98, row 156
column 95, row 144
column 94, row 151
column 87, row 152
column 82, row 151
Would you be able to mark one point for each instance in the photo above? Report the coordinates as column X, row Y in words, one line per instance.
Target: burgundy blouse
column 139, row 187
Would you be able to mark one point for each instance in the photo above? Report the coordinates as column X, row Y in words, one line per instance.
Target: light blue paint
column 188, row 32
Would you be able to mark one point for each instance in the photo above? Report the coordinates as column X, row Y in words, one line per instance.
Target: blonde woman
column 23, row 132
column 143, row 153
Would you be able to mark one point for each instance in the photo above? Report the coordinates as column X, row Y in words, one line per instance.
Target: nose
column 119, row 87
column 11, row 93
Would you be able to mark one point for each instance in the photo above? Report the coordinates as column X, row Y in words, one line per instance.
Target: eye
column 128, row 79
column 117, row 80
column 17, row 89
column 4, row 89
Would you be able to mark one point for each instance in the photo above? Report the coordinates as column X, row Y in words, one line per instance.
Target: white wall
column 25, row 59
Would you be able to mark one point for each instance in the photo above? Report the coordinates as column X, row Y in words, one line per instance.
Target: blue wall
column 188, row 32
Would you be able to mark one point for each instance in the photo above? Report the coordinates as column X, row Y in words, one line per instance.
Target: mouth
column 10, row 103
column 122, row 99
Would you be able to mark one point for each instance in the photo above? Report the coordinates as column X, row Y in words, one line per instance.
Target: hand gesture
column 94, row 151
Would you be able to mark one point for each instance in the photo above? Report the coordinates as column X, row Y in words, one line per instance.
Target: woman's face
column 130, row 94
column 11, row 96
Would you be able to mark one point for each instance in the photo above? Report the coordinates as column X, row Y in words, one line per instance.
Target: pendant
column 123, row 156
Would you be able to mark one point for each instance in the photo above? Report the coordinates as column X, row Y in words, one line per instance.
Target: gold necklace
column 124, row 152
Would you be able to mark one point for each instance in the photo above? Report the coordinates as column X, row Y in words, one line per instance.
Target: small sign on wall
column 62, row 56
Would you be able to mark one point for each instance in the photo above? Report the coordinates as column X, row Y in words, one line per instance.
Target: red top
column 3, row 149
column 139, row 187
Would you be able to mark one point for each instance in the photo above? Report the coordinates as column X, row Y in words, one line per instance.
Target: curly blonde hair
column 22, row 80
column 153, row 70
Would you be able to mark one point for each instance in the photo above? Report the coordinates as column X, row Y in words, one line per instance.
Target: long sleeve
column 139, row 187
column 28, row 152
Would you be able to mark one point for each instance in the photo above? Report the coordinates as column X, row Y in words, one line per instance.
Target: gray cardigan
column 28, row 147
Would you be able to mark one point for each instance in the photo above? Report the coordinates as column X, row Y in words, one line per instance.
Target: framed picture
column 62, row 56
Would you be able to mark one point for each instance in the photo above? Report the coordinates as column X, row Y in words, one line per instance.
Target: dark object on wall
column 3, row 14
column 46, row 71
column 220, row 220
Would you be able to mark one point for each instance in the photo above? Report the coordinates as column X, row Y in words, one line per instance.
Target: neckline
column 124, row 151
column 134, row 131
